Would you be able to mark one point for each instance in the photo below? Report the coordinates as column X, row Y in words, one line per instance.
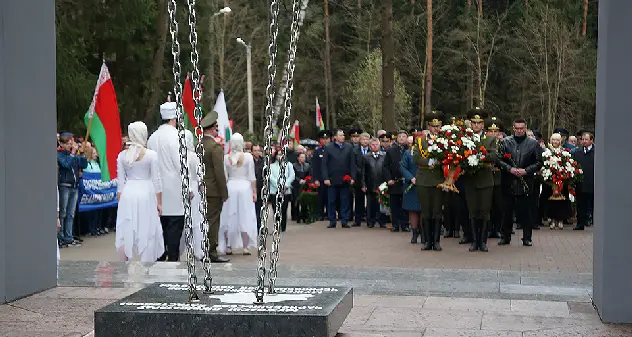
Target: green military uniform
column 497, row 199
column 431, row 198
column 216, row 191
column 479, row 187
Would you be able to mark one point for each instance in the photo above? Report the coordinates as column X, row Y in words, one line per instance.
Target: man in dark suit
column 359, row 196
column 371, row 176
column 395, row 180
column 585, row 191
column 520, row 158
column 339, row 161
column 479, row 185
column 317, row 164
column 256, row 155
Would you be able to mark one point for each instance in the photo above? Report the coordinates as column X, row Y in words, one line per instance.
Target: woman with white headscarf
column 138, row 228
column 196, row 216
column 238, row 220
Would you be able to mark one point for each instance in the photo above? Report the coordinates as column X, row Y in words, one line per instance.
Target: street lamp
column 251, row 126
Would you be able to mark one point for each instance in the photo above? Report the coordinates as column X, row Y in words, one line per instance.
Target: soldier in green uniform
column 479, row 183
column 428, row 176
column 215, row 180
column 494, row 129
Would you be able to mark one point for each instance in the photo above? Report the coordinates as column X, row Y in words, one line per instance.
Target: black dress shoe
column 382, row 225
column 537, row 228
column 344, row 225
column 405, row 229
column 219, row 259
column 527, row 243
column 356, row 225
column 578, row 228
column 395, row 229
column 370, row 225
column 503, row 242
column 332, row 225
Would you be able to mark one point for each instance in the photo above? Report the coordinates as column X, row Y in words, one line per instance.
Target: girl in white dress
column 238, row 220
column 138, row 228
column 196, row 216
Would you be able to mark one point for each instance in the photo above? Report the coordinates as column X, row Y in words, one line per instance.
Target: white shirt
column 586, row 149
column 165, row 142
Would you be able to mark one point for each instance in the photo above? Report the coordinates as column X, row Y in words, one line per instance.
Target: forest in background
column 517, row 58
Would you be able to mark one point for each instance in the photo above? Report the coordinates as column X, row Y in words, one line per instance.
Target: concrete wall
column 612, row 285
column 28, row 171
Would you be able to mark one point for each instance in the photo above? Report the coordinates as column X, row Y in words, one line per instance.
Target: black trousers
column 359, row 198
column 585, row 207
column 373, row 214
column 172, row 227
column 399, row 215
column 258, row 205
column 283, row 209
column 523, row 206
column 497, row 210
column 322, row 200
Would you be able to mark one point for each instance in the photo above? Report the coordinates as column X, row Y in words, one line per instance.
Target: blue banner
column 96, row 194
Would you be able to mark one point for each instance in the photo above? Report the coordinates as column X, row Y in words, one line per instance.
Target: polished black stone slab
column 162, row 309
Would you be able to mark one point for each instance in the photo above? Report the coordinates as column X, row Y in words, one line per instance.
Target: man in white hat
column 166, row 143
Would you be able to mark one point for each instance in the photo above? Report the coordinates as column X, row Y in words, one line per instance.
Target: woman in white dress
column 196, row 216
column 238, row 220
column 138, row 228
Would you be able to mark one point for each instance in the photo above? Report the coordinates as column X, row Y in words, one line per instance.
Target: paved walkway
column 566, row 252
column 69, row 312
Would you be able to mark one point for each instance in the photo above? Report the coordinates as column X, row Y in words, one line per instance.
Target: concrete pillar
column 612, row 272
column 28, row 172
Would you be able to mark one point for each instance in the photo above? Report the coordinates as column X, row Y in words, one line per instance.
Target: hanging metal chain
column 267, row 151
column 285, row 129
column 184, row 166
column 199, row 148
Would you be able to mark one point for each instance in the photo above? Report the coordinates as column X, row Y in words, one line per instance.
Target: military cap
column 322, row 134
column 393, row 135
column 209, row 120
column 386, row 136
column 561, row 131
column 477, row 114
column 435, row 118
column 401, row 131
column 415, row 130
column 355, row 132
column 493, row 125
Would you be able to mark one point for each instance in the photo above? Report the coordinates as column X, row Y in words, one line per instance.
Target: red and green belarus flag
column 105, row 128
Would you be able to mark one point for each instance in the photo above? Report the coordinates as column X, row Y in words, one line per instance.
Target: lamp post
column 251, row 125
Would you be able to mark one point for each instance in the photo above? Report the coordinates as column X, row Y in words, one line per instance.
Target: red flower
column 346, row 177
column 507, row 155
column 308, row 178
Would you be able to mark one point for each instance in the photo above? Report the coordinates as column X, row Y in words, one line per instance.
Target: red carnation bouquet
column 559, row 170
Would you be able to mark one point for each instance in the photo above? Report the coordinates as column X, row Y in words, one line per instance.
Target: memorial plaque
column 162, row 309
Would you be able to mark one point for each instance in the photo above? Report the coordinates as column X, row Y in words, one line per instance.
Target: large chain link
column 184, row 166
column 285, row 129
column 199, row 148
column 267, row 150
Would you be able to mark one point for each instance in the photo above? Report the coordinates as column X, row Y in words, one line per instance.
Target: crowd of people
column 348, row 175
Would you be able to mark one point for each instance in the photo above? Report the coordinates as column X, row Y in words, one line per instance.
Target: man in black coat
column 257, row 156
column 371, row 176
column 317, row 163
column 359, row 196
column 395, row 180
column 339, row 174
column 520, row 158
column 585, row 191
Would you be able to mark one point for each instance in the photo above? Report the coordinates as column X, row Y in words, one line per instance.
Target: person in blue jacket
column 69, row 166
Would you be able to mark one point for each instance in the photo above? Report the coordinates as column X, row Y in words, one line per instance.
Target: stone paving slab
column 467, row 283
column 69, row 311
column 315, row 245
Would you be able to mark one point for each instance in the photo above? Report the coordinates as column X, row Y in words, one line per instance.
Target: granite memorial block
column 162, row 309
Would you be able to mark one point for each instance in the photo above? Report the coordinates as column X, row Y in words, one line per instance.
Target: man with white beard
column 165, row 142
